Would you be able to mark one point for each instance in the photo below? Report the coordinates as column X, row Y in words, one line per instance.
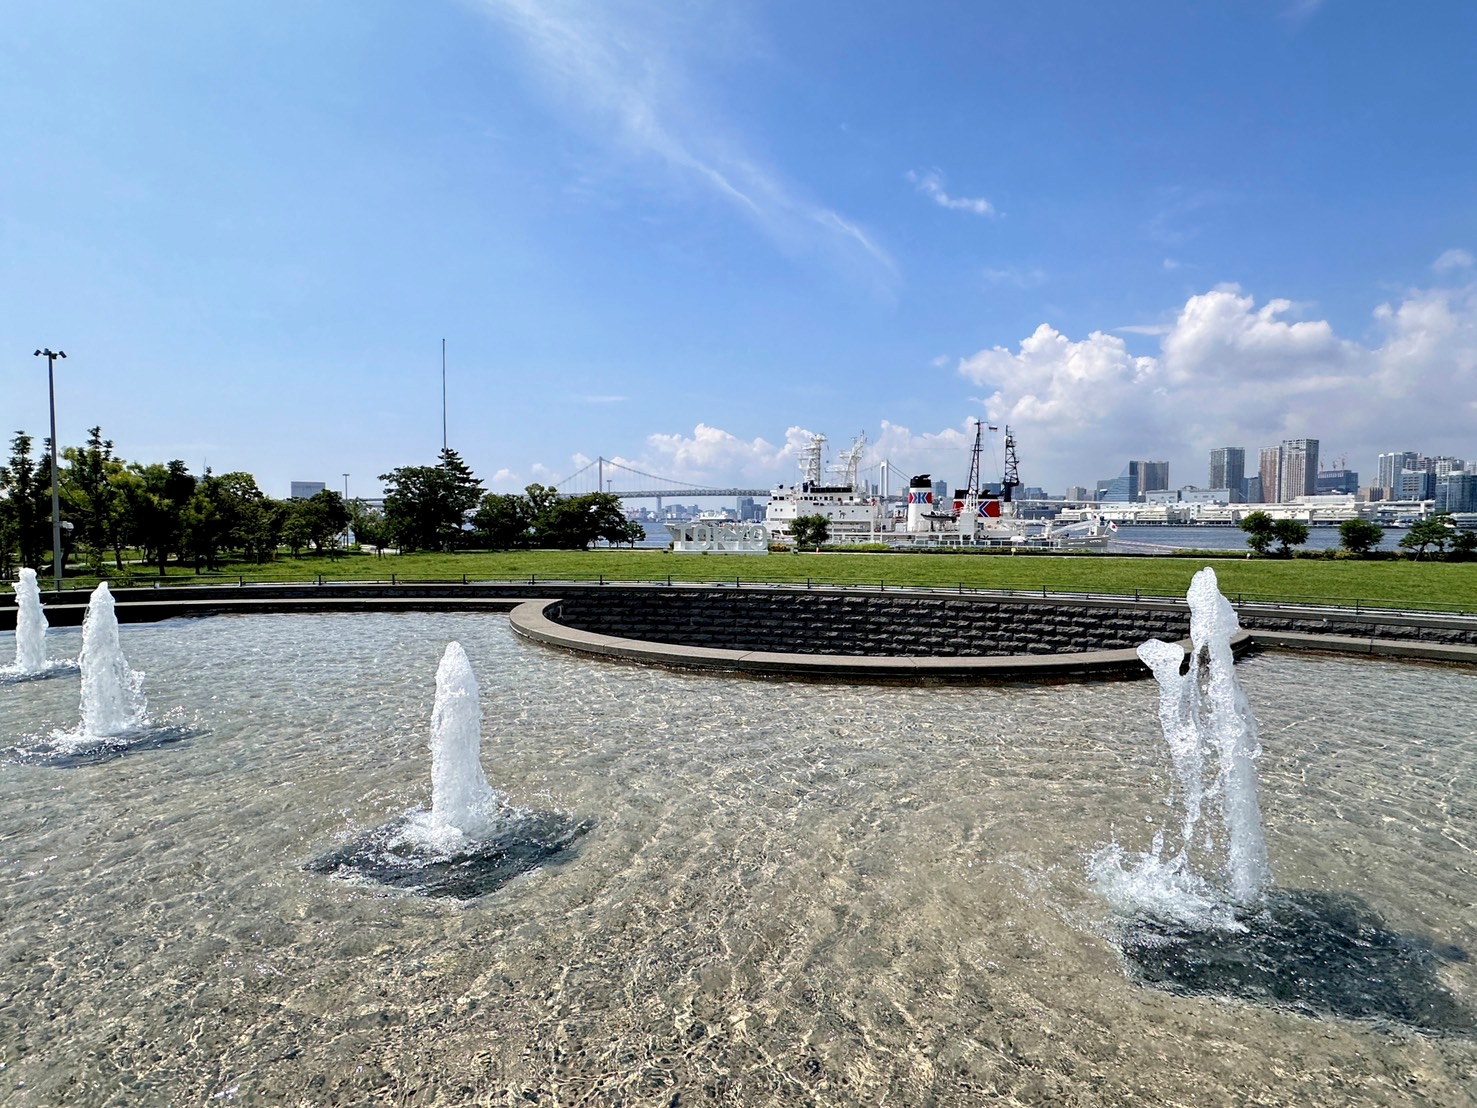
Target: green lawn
column 1395, row 584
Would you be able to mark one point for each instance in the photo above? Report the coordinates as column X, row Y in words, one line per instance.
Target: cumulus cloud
column 713, row 456
column 1455, row 258
column 1230, row 371
column 931, row 185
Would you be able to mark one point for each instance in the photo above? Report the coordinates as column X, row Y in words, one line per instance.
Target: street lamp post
column 56, row 511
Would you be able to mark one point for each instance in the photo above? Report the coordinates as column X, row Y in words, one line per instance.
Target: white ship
column 973, row 518
column 855, row 515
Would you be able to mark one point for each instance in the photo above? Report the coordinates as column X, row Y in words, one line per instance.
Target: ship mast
column 1012, row 476
column 810, row 460
column 972, row 486
column 851, row 462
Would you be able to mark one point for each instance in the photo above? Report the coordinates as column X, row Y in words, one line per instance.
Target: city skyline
column 688, row 237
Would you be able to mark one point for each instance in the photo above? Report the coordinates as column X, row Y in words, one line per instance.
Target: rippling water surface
column 789, row 893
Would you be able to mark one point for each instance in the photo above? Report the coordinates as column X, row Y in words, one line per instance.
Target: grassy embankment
column 1394, row 583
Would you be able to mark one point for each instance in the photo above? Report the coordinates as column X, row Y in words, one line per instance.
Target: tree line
column 161, row 512
column 1359, row 536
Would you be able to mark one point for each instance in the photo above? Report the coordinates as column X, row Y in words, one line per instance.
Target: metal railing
column 1341, row 605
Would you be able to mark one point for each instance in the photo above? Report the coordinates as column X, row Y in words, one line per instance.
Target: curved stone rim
column 531, row 621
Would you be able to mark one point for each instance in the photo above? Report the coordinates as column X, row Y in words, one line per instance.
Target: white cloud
column 1020, row 278
column 600, row 399
column 1455, row 258
column 1145, row 329
column 1232, row 372
column 1171, row 264
column 631, row 76
column 712, row 456
column 931, row 185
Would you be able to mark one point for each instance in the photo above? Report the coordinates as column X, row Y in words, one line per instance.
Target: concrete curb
column 1384, row 648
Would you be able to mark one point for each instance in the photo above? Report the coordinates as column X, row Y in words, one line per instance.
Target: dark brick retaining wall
column 823, row 620
column 895, row 624
column 1423, row 627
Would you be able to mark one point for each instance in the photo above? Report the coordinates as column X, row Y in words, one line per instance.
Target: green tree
column 1258, row 527
column 1360, row 536
column 92, row 498
column 259, row 528
column 504, row 521
column 295, row 532
column 368, row 526
column 810, row 531
column 1436, row 530
column 324, row 516
column 1464, row 544
column 26, row 505
column 574, row 522
column 155, row 506
column 1289, row 533
column 425, row 506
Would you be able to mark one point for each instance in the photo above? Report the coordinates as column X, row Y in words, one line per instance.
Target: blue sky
column 687, row 234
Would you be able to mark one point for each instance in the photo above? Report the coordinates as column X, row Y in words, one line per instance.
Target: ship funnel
column 920, row 500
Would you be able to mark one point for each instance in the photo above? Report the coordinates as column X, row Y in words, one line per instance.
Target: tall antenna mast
column 443, row 395
column 972, row 486
column 1011, row 479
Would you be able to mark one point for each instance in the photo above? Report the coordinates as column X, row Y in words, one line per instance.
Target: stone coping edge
column 531, row 621
column 134, row 610
column 1387, row 648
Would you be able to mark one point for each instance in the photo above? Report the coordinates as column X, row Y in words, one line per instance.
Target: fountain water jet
column 1206, row 719
column 30, row 625
column 1231, row 933
column 112, row 694
column 472, row 840
column 31, row 661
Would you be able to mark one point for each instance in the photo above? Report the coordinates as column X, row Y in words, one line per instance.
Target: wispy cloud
column 1144, row 329
column 1453, row 259
column 931, row 185
column 631, row 76
column 1176, row 220
column 1298, row 12
column 1020, row 278
column 1171, row 264
column 587, row 399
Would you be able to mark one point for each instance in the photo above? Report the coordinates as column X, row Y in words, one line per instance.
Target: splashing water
column 30, row 625
column 463, row 805
column 472, row 840
column 1207, row 725
column 112, row 694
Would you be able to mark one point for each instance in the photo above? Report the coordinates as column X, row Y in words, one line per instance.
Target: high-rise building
column 1270, row 471
column 1338, row 480
column 1153, row 476
column 1299, row 469
column 1127, row 486
column 1228, row 468
column 1251, row 490
column 1456, row 491
column 1390, row 466
column 1415, row 484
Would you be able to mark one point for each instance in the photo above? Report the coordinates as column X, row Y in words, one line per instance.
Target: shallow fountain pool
column 789, row 893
